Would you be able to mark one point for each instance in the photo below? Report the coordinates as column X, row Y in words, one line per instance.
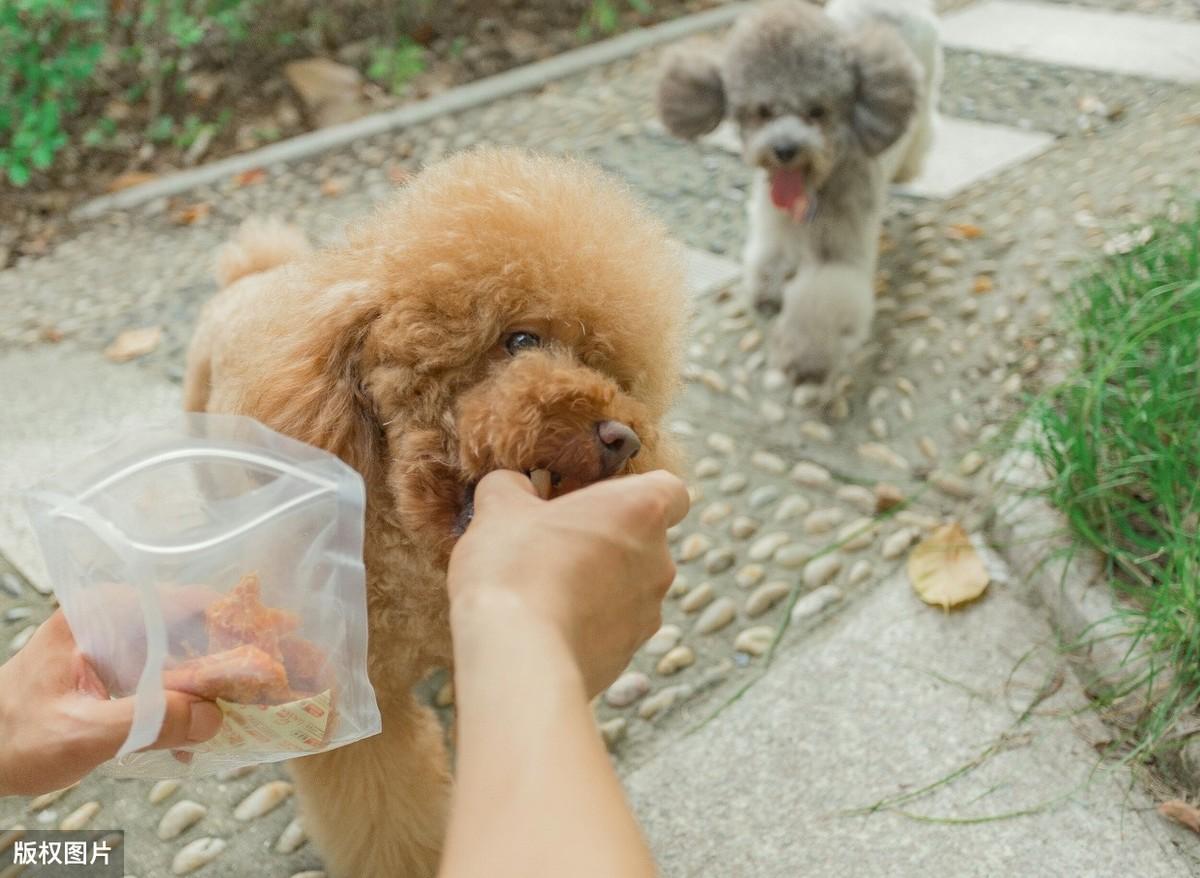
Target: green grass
column 1120, row 439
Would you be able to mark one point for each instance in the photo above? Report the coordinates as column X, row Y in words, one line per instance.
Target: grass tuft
column 1120, row 439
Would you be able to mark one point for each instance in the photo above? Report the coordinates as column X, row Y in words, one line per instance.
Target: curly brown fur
column 391, row 352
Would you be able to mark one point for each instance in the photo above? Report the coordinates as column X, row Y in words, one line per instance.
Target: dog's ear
column 691, row 94
column 888, row 86
column 310, row 386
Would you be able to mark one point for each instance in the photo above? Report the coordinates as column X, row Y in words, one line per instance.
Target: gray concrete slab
column 824, row 732
column 59, row 405
column 1052, row 33
column 965, row 152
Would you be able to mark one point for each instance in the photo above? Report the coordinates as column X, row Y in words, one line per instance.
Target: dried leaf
column 983, row 284
column 1182, row 813
column 192, row 213
column 134, row 343
column 333, row 187
column 51, row 334
column 945, row 570
column 131, row 179
column 252, row 177
column 964, row 231
column 398, row 175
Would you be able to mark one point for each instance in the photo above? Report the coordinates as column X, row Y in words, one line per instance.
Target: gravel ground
column 964, row 327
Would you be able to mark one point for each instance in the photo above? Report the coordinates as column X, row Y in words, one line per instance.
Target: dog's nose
column 785, row 152
column 618, row 443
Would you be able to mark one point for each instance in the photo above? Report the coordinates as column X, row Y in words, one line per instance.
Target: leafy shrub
column 113, row 74
column 394, row 66
column 48, row 50
column 52, row 51
column 604, row 16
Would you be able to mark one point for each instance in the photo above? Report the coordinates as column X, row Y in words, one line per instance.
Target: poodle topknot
column 504, row 311
column 831, row 106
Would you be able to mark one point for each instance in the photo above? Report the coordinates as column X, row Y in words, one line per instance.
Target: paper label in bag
column 295, row 726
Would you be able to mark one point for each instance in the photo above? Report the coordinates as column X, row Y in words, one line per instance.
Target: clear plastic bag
column 217, row 557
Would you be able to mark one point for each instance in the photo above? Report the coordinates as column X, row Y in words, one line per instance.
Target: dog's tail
column 259, row 245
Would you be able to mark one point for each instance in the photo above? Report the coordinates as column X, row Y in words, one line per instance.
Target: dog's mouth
column 545, row 483
column 579, row 463
column 789, row 193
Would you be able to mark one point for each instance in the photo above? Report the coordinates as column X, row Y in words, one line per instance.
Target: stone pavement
column 764, row 792
column 866, row 700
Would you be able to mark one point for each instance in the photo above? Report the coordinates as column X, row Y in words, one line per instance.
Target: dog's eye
column 765, row 112
column 816, row 113
column 520, row 341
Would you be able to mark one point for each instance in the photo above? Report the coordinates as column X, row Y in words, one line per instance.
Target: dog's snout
column 618, row 443
column 785, row 152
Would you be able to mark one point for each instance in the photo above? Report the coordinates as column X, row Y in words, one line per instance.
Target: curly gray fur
column 841, row 100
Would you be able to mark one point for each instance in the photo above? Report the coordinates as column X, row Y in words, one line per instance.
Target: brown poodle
column 504, row 311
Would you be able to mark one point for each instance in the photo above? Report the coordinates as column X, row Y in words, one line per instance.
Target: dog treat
column 541, row 482
column 254, row 655
column 240, row 617
column 304, row 663
column 244, row 674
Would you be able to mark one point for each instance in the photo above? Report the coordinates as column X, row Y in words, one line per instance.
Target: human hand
column 590, row 568
column 58, row 723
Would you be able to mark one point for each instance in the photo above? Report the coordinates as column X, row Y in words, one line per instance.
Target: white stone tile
column 707, row 272
column 965, row 153
column 1141, row 45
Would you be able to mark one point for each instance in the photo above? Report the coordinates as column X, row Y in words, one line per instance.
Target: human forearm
column 536, row 793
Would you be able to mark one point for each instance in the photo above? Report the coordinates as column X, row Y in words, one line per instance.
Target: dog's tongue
column 788, row 194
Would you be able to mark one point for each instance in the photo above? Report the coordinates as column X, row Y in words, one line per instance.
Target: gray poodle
column 832, row 106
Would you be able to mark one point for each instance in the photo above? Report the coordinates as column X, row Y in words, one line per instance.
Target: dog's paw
column 798, row 357
column 764, row 291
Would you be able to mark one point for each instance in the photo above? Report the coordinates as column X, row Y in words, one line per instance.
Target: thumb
column 501, row 485
column 186, row 720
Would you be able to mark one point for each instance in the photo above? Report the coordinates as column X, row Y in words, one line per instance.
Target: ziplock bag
column 217, row 557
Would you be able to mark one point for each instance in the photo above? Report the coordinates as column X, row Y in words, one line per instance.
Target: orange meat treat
column 304, row 662
column 240, row 618
column 255, row 656
column 244, row 674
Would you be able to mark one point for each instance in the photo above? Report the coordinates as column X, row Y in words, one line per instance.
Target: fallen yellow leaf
column 192, row 213
column 252, row 177
column 1181, row 812
column 964, row 231
column 333, row 187
column 134, row 343
column 983, row 284
column 945, row 570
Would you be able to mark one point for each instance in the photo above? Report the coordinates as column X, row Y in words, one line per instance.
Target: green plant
column 1120, row 439
column 395, row 66
column 55, row 53
column 48, row 51
column 604, row 16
